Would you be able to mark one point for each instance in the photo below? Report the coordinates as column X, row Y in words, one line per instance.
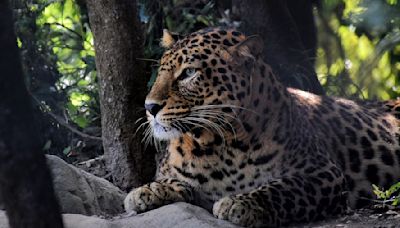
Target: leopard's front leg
column 156, row 194
column 296, row 198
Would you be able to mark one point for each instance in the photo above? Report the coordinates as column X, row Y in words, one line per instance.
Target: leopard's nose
column 153, row 108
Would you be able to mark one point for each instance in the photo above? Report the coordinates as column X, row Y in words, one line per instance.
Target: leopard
column 252, row 151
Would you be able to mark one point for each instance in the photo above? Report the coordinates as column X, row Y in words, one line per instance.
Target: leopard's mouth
column 163, row 132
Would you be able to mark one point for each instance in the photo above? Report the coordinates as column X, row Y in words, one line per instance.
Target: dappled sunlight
column 359, row 49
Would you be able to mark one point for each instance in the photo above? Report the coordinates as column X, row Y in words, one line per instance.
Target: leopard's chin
column 165, row 133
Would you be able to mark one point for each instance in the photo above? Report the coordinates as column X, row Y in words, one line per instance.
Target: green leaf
column 396, row 201
column 81, row 121
column 19, row 43
column 378, row 192
column 83, row 83
column 394, row 188
column 67, row 150
column 47, row 145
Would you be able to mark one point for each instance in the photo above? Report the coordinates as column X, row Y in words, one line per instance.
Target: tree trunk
column 289, row 35
column 123, row 85
column 26, row 186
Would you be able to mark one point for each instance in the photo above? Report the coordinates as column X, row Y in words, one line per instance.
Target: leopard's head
column 202, row 82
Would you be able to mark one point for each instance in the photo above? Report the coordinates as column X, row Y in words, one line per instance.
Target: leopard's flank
column 252, row 151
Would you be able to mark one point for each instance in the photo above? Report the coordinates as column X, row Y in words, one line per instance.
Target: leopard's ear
column 251, row 46
column 167, row 41
column 245, row 53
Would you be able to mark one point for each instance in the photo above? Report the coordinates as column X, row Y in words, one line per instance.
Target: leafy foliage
column 391, row 195
column 72, row 44
column 359, row 48
column 62, row 35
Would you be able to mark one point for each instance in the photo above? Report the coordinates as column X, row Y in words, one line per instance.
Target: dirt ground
column 377, row 216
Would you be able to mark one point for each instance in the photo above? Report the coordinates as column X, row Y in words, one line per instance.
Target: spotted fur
column 253, row 152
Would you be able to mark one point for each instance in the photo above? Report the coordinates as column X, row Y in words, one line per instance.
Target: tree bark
column 289, row 35
column 26, row 186
column 123, row 85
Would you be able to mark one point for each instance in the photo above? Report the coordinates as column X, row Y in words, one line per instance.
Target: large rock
column 179, row 215
column 80, row 192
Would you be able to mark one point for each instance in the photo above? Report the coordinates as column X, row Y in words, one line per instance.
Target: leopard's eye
column 190, row 71
column 187, row 73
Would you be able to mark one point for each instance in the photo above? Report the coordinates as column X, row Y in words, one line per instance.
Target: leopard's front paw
column 239, row 211
column 141, row 199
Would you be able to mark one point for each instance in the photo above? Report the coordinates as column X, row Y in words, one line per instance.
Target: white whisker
column 221, row 120
column 202, row 107
column 220, row 131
